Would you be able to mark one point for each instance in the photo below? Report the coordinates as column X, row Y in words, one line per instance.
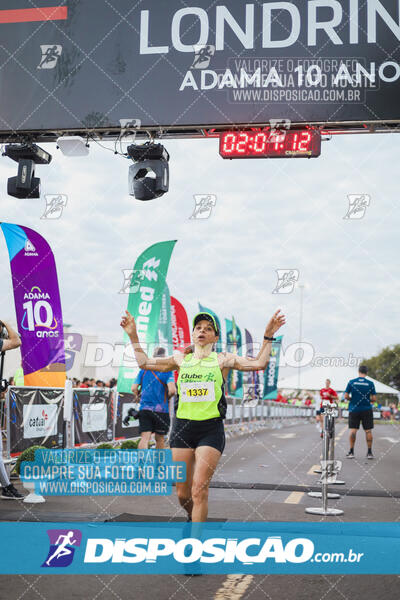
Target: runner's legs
column 184, row 488
column 206, row 462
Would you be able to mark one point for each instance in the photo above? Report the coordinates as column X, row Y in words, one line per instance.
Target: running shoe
column 321, row 435
column 11, row 493
column 350, row 454
column 369, row 454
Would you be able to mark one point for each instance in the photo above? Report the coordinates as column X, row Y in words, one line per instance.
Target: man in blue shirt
column 156, row 389
column 360, row 392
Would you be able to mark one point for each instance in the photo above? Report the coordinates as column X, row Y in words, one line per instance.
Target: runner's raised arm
column 244, row 363
column 164, row 364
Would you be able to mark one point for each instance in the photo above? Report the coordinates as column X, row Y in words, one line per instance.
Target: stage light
column 73, row 145
column 25, row 184
column 149, row 175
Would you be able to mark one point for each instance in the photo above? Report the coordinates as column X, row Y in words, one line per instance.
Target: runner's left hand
column 275, row 323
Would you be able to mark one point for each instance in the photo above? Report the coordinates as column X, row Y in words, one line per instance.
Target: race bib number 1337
column 197, row 391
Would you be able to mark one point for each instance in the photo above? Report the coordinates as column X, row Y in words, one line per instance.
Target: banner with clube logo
column 37, row 305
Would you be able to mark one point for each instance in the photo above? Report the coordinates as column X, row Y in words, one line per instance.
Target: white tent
column 314, row 379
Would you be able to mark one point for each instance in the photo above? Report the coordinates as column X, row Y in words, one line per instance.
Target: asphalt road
column 282, row 458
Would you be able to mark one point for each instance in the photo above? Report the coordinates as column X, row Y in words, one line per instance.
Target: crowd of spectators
column 88, row 382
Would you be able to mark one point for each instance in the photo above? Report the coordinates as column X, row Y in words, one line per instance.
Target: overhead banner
column 234, row 345
column 180, row 325
column 145, row 301
column 271, row 373
column 37, row 305
column 219, row 63
column 35, row 417
column 203, row 308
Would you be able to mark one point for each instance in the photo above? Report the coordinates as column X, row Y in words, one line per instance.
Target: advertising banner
column 208, row 548
column 234, row 345
column 253, row 377
column 164, row 63
column 271, row 373
column 93, row 415
column 35, row 417
column 164, row 322
column 126, row 426
column 145, row 302
column 37, row 305
column 180, row 325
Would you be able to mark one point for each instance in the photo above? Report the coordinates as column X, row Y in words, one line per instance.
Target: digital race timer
column 267, row 144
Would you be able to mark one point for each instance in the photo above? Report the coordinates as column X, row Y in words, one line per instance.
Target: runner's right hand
column 128, row 324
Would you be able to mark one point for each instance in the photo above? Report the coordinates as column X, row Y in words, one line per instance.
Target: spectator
column 9, row 340
column 156, row 388
column 361, row 393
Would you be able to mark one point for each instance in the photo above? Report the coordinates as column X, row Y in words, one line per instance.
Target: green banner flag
column 145, row 301
column 218, row 345
column 272, row 371
column 234, row 345
column 164, row 323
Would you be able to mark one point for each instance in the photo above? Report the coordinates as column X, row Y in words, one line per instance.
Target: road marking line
column 294, row 498
column 233, row 587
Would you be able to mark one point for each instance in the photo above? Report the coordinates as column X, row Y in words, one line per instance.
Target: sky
column 269, row 215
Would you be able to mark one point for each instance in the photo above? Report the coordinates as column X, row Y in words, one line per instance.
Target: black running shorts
column 363, row 416
column 156, row 422
column 192, row 434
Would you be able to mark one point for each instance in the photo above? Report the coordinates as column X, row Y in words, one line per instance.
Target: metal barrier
column 330, row 468
column 266, row 413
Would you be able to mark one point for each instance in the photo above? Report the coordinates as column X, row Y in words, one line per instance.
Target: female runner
column 197, row 436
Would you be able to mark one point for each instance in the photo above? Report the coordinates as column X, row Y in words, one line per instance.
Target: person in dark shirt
column 360, row 393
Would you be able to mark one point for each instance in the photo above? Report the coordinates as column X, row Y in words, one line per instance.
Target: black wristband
column 269, row 339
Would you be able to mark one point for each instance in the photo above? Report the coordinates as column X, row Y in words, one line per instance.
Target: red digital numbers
column 264, row 144
column 260, row 143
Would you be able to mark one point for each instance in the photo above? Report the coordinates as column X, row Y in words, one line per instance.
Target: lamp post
column 300, row 331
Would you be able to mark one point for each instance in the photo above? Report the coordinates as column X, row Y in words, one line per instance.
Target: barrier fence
column 35, row 415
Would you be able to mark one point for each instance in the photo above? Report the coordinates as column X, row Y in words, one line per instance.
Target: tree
column 385, row 367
